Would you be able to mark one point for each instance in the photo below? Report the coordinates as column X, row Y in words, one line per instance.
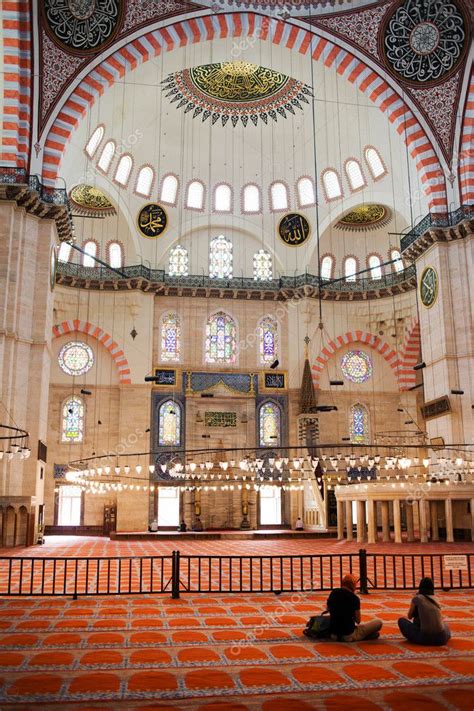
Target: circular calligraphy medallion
column 429, row 287
column 294, row 229
column 82, row 26
column 152, row 220
column 53, row 266
column 424, row 42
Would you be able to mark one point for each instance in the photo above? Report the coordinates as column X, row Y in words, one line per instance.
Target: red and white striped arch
column 409, row 355
column 367, row 339
column 77, row 326
column 466, row 150
column 244, row 25
column 17, row 59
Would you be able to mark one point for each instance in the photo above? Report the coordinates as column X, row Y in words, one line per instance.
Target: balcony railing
column 432, row 220
column 19, row 176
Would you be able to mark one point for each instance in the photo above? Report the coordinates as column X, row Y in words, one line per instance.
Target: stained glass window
column 221, row 339
column 251, row 198
column 306, row 196
column 332, row 184
column 268, row 337
column 269, row 425
column 106, row 156
column 75, row 358
column 179, row 261
column 326, row 267
column 169, row 424
column 72, row 425
column 262, row 266
column 279, row 196
column 169, row 189
column 94, row 141
column 124, row 169
column 354, row 174
column 170, row 337
column 356, row 366
column 375, row 267
column 220, row 258
column 359, row 424
column 374, row 162
column 145, row 181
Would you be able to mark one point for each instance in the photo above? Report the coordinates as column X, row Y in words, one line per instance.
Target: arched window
column 269, row 425
column 359, row 424
column 375, row 267
column 64, row 252
column 169, row 424
column 374, row 162
column 170, row 337
column 279, row 196
column 124, row 169
column 262, row 266
column 354, row 174
column 268, row 340
column 398, row 263
column 350, row 268
column 326, row 267
column 106, row 156
column 115, row 255
column 145, row 181
column 223, row 198
column 179, row 261
column 90, row 249
column 72, row 420
column 94, row 141
column 169, row 189
column 220, row 258
column 251, row 202
column 332, row 184
column 195, row 196
column 306, row 194
column 221, row 339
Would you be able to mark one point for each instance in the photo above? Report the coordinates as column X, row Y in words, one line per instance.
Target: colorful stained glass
column 72, row 425
column 170, row 337
column 356, row 366
column 268, row 333
column 169, row 424
column 220, row 258
column 359, row 424
column 75, row 358
column 269, row 425
column 221, row 339
column 179, row 261
column 262, row 266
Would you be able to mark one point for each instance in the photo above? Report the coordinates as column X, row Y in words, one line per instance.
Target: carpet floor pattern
column 233, row 652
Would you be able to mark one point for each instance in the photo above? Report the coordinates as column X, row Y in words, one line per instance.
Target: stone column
column 397, row 524
column 350, row 523
column 371, row 521
column 449, row 521
column 360, row 521
column 340, row 520
column 385, row 521
column 434, row 520
column 472, row 519
column 423, row 522
column 410, row 509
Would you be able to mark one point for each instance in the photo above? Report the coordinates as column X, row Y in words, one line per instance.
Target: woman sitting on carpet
column 428, row 626
column 344, row 608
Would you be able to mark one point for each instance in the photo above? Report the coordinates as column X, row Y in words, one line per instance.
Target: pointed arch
column 369, row 339
column 409, row 355
column 106, row 339
column 243, row 24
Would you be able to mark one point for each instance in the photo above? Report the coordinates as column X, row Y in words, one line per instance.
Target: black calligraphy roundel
column 294, row 229
column 152, row 220
column 82, row 26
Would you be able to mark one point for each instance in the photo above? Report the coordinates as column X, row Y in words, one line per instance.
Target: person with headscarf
column 428, row 626
column 344, row 609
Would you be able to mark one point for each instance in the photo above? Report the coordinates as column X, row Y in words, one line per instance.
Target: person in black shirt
column 344, row 609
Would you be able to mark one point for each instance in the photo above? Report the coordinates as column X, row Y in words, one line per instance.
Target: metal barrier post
column 363, row 571
column 175, row 575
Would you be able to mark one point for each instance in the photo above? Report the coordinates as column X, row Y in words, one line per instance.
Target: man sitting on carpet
column 428, row 626
column 344, row 608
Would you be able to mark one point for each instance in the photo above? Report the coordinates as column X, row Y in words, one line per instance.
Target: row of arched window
column 351, row 266
column 223, row 194
column 90, row 251
column 170, row 417
column 221, row 339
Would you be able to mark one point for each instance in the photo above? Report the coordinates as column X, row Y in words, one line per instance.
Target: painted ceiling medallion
column 90, row 201
column 370, row 216
column 424, row 40
column 82, row 26
column 239, row 91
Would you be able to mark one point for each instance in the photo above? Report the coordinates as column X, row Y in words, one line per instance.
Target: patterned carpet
column 232, row 652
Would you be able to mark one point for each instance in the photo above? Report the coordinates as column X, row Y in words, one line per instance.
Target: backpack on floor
column 318, row 626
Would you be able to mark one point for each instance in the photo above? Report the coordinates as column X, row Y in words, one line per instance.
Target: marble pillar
column 434, row 520
column 349, row 521
column 410, row 511
column 423, row 522
column 385, row 521
column 340, row 520
column 360, row 521
column 371, row 522
column 449, row 521
column 397, row 523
